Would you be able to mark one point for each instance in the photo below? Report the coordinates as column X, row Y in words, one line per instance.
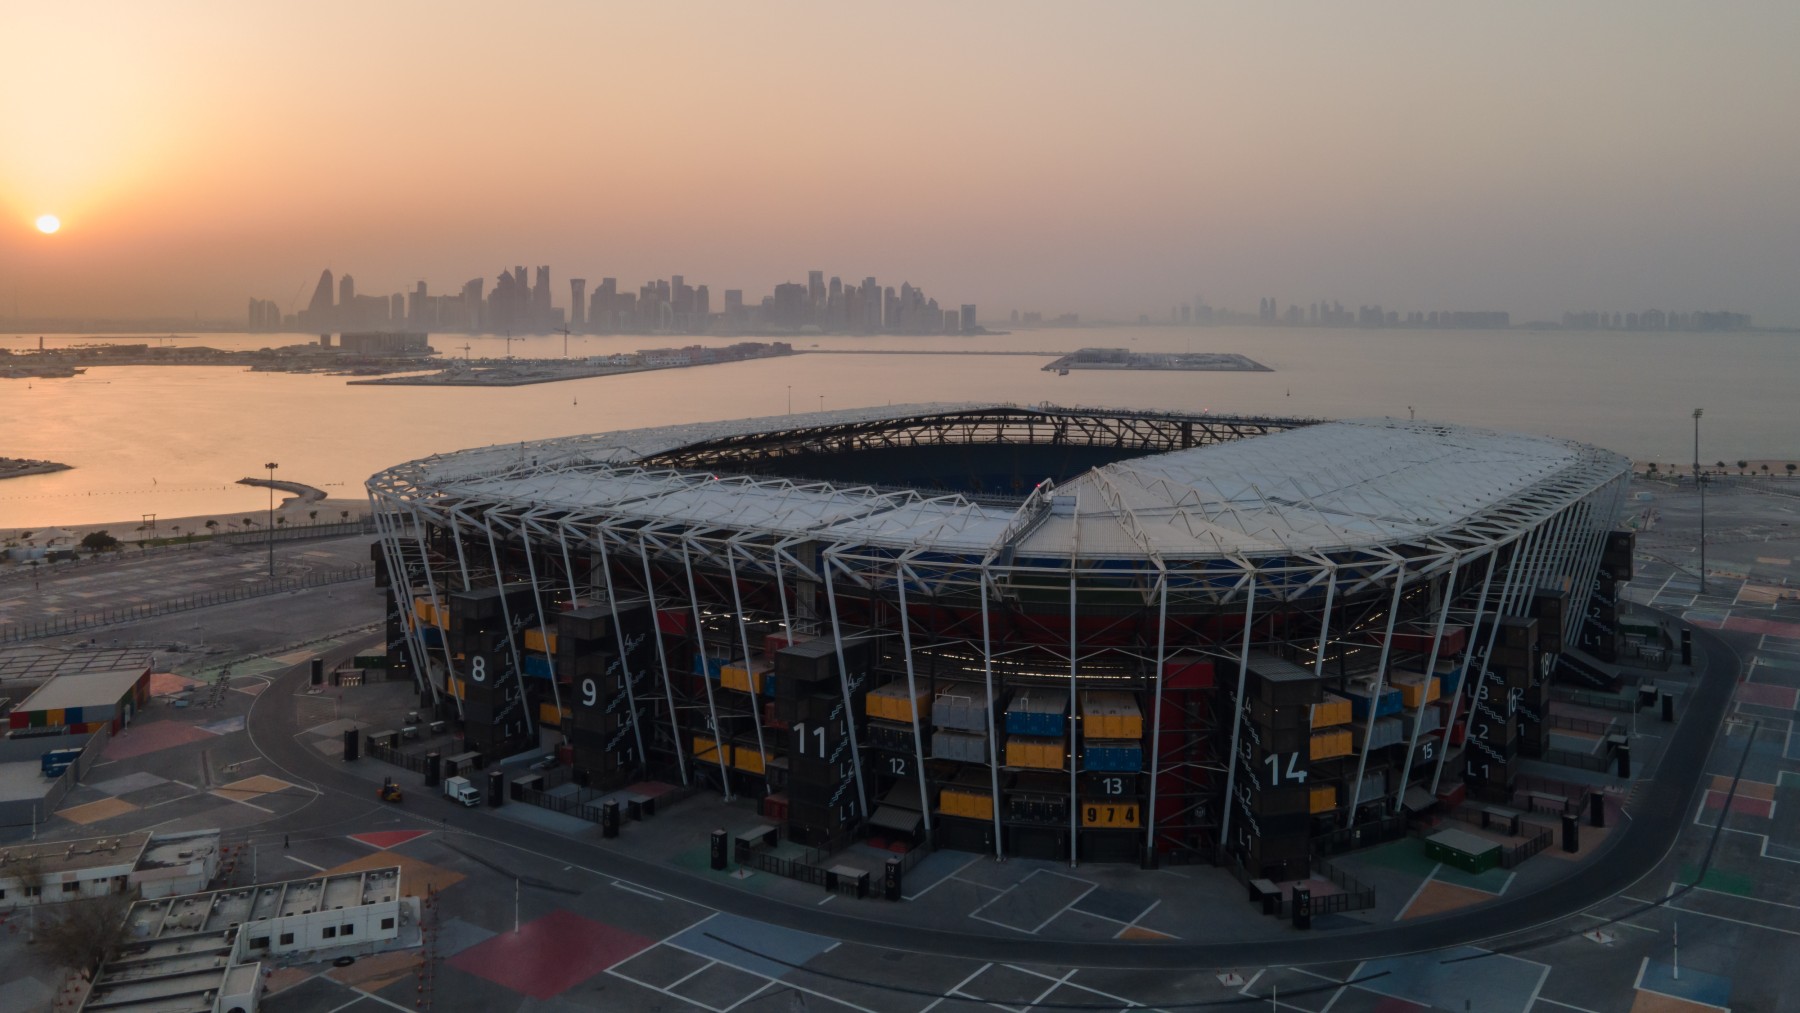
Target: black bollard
column 1571, row 841
column 1596, row 810
column 352, row 742
column 1302, row 907
column 434, row 769
column 890, row 880
column 718, row 850
column 1625, row 761
column 1687, row 647
column 1668, row 705
column 609, row 818
column 496, row 793
column 318, row 671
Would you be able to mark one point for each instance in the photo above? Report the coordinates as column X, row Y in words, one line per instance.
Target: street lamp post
column 271, row 527
column 1701, row 485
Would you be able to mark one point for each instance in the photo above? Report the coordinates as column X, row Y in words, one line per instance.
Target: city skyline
column 1037, row 157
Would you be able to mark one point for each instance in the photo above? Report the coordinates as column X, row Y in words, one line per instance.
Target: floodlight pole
column 1700, row 484
column 271, row 525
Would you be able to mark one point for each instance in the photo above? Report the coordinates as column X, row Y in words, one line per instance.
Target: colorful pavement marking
column 168, row 683
column 129, row 783
column 1746, row 788
column 1139, row 932
column 94, row 812
column 1504, row 982
column 252, row 688
column 372, row 974
column 1780, row 697
column 1697, row 988
column 251, row 788
column 1741, row 804
column 1436, row 898
column 235, row 723
column 550, row 955
column 416, row 877
column 151, row 737
column 729, row 939
column 385, row 839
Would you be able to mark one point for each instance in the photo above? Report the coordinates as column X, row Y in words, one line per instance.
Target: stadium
column 1060, row 632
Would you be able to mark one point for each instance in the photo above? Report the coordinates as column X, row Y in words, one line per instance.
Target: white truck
column 458, row 789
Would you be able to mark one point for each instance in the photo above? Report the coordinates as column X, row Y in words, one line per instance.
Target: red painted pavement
column 1782, row 697
column 1744, row 624
column 151, row 737
column 551, row 955
column 385, row 839
column 1741, row 804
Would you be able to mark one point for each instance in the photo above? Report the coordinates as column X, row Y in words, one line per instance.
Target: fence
column 1575, row 724
column 1599, row 701
column 15, row 632
column 294, row 532
column 1583, row 761
column 389, row 754
column 1387, row 828
column 1538, row 838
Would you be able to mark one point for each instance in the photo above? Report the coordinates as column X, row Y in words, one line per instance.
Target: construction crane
column 564, row 331
column 465, row 350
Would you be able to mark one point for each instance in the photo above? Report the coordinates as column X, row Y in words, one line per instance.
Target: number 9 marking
column 589, row 692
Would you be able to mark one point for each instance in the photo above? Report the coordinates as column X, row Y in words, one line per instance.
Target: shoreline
column 19, row 467
column 330, row 511
column 1752, row 468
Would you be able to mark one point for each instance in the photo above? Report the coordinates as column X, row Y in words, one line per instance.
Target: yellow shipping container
column 535, row 641
column 1324, row 798
column 748, row 759
column 974, row 805
column 1109, row 812
column 430, row 616
column 1415, row 689
column 550, row 714
column 1111, row 714
column 889, row 703
column 1034, row 752
column 706, row 750
column 1334, row 711
column 1327, row 744
column 745, row 678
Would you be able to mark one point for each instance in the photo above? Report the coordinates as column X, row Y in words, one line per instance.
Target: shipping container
column 1111, row 714
column 1037, row 712
column 1415, row 689
column 1327, row 744
column 963, row 746
column 968, row 803
column 1282, row 683
column 891, row 703
column 1322, row 798
column 1363, row 695
column 1335, row 710
column 1122, row 755
column 1035, row 752
column 1187, row 671
column 755, row 675
column 961, row 705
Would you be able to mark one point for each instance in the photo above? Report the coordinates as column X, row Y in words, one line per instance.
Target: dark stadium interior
column 1007, row 469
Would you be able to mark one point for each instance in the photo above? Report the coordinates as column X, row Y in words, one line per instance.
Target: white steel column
column 987, row 666
column 662, row 657
column 543, row 625
column 1237, row 721
column 912, row 693
column 1387, row 646
column 1468, row 671
column 1325, row 625
column 837, row 639
column 612, row 604
column 439, row 614
column 1156, row 706
column 512, row 646
column 737, row 601
column 1074, row 754
column 1437, row 640
column 398, row 578
column 712, row 710
column 1476, row 688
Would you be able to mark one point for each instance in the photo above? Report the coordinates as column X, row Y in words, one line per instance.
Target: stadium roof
column 1306, row 489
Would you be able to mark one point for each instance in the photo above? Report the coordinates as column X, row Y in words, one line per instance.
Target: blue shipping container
column 1113, row 755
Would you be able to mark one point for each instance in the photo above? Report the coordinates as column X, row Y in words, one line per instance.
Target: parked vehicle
column 458, row 789
column 389, row 791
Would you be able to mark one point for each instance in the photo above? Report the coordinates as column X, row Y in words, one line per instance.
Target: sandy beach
column 296, row 509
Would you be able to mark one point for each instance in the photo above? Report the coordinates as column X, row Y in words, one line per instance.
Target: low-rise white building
column 156, row 866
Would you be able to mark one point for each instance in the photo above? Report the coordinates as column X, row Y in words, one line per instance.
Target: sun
column 48, row 224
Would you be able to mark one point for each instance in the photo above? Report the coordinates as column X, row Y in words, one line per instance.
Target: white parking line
column 957, row 990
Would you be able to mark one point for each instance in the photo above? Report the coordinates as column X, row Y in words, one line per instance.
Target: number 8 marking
column 478, row 669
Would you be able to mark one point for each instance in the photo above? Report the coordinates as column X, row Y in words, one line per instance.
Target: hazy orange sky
column 1109, row 159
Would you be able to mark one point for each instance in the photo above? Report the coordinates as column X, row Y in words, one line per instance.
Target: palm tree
column 1742, row 465
column 345, row 514
column 1790, row 471
column 312, row 515
column 249, row 523
column 1765, row 469
column 177, row 529
column 281, row 521
column 212, row 527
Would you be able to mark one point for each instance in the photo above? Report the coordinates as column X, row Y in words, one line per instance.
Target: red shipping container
column 673, row 621
column 1187, row 671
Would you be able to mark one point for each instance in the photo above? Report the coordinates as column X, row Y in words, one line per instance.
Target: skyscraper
column 577, row 304
column 346, row 291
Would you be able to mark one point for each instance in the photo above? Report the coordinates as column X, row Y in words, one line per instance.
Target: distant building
column 154, row 865
column 384, row 343
column 577, row 304
column 968, row 318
